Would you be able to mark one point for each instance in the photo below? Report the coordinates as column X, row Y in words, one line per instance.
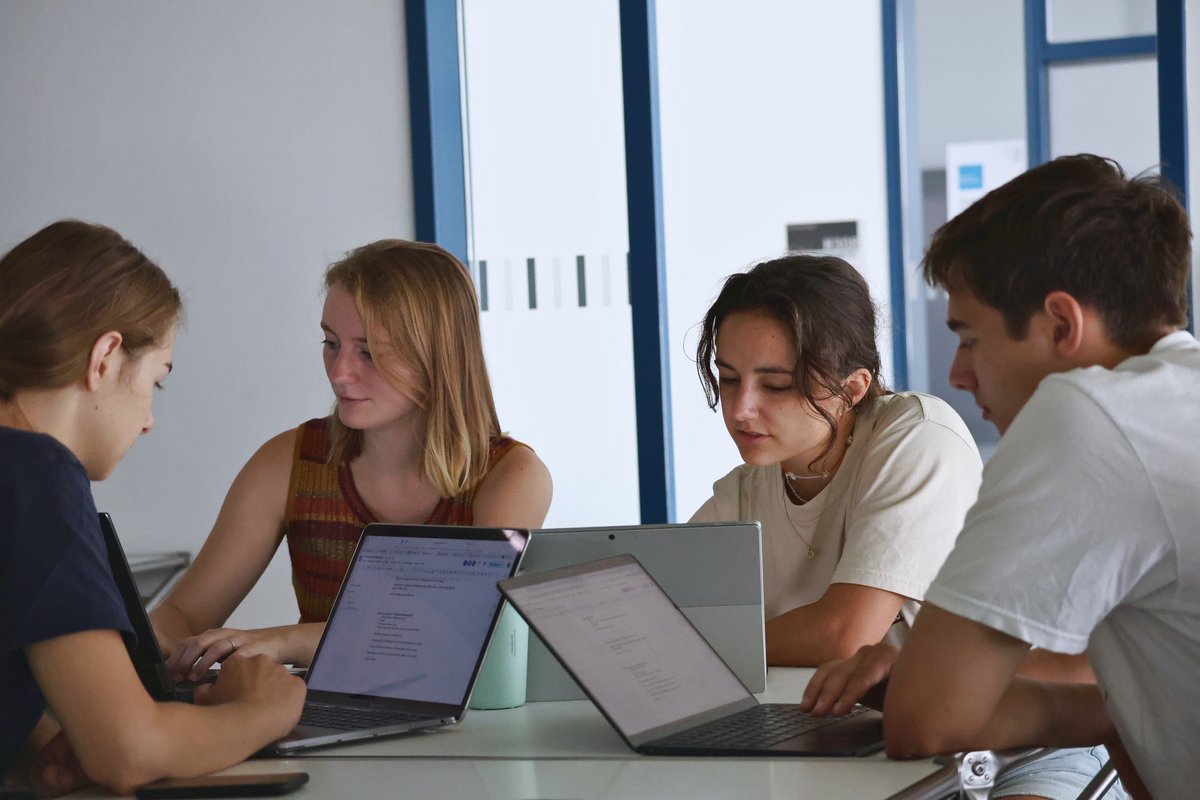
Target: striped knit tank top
column 325, row 517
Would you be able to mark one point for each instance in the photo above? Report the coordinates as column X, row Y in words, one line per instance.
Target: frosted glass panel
column 549, row 242
column 1081, row 20
column 772, row 114
column 1110, row 109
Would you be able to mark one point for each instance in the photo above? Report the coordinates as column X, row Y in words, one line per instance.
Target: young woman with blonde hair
column 87, row 330
column 413, row 437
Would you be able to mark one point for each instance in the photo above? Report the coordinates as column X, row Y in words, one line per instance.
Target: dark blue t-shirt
column 54, row 572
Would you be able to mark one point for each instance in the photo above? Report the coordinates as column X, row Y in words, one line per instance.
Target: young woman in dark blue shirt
column 87, row 330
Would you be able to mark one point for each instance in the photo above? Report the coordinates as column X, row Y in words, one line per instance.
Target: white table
column 555, row 729
column 634, row 778
column 566, row 749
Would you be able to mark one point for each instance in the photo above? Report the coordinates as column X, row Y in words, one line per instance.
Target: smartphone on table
column 224, row 786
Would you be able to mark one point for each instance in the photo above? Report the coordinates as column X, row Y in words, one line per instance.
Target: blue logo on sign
column 970, row 176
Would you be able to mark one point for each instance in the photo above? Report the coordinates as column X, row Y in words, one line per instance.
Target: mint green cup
column 501, row 681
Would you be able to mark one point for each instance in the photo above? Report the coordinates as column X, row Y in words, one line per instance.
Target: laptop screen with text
column 642, row 662
column 412, row 617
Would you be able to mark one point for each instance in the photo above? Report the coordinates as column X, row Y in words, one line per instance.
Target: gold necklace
column 825, row 473
column 791, row 493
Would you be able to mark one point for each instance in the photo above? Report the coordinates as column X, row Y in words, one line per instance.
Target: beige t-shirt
column 888, row 518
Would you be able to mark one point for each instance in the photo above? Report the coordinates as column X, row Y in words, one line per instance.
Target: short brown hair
column 825, row 306
column 1076, row 224
column 64, row 287
column 422, row 298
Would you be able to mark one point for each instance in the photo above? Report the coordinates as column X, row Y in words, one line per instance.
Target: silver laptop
column 655, row 678
column 712, row 572
column 407, row 634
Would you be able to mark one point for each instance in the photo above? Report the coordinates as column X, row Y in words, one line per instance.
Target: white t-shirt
column 1087, row 535
column 886, row 520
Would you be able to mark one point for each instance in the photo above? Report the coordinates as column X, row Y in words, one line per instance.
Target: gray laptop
column 655, row 678
column 407, row 634
column 712, row 572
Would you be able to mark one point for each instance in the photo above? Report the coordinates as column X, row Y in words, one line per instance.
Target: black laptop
column 657, row 680
column 407, row 634
column 145, row 653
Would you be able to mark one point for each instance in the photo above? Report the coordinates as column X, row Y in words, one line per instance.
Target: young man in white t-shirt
column 1068, row 291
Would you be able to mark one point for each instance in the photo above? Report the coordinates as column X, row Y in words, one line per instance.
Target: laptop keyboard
column 341, row 718
column 762, row 726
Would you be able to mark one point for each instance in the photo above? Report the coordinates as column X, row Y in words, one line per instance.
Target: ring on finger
column 232, row 644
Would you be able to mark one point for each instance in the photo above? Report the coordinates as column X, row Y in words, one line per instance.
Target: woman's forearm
column 171, row 625
column 299, row 642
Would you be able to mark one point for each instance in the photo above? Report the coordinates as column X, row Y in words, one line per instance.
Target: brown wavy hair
column 422, row 299
column 1075, row 224
column 825, row 305
column 64, row 287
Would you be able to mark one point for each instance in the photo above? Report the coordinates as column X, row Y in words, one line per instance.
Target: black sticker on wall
column 835, row 237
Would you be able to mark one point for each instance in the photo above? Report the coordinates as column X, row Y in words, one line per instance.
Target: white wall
column 242, row 145
column 772, row 113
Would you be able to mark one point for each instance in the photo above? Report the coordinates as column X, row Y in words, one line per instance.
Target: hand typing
column 258, row 681
column 190, row 658
column 838, row 685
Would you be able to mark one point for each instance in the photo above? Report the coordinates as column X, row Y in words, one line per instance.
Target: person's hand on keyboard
column 838, row 685
column 257, row 681
column 191, row 658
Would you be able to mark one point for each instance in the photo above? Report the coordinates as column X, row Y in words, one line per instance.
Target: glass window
column 1107, row 108
column 1083, row 20
column 970, row 127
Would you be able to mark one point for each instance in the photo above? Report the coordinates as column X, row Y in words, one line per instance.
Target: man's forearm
column 1029, row 714
column 171, row 625
column 1033, row 713
column 1043, row 665
column 954, row 687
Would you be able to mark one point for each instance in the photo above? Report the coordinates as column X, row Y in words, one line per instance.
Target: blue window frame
column 435, row 108
column 893, row 140
column 647, row 269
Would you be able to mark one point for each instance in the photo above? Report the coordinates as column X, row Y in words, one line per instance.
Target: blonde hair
column 64, row 287
column 421, row 298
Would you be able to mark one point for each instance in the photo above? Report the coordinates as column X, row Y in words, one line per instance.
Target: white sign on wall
column 975, row 168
